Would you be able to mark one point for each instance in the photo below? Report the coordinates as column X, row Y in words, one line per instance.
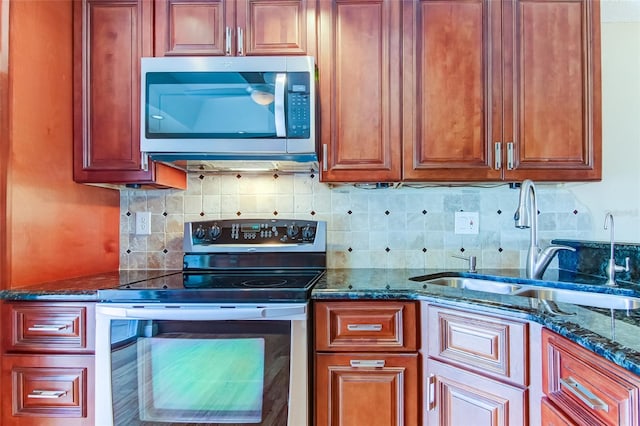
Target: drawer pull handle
column 431, row 392
column 47, row 394
column 364, row 363
column 584, row 394
column 364, row 327
column 47, row 327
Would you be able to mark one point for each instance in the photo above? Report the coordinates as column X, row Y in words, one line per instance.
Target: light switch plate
column 467, row 222
column 143, row 223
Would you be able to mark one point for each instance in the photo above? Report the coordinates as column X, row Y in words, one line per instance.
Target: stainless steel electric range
column 225, row 341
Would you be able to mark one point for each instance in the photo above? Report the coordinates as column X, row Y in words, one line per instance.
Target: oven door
column 206, row 364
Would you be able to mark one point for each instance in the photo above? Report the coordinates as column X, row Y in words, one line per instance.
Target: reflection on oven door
column 201, row 372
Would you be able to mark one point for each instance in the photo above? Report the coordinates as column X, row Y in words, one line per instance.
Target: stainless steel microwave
column 228, row 108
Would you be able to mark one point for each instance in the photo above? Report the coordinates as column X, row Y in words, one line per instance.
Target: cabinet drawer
column 47, row 386
column 366, row 326
column 367, row 389
column 488, row 345
column 590, row 389
column 48, row 327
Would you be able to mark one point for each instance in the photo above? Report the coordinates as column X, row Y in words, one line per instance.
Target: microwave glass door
column 200, row 372
column 227, row 105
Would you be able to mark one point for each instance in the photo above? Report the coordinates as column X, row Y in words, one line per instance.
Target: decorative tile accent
column 396, row 227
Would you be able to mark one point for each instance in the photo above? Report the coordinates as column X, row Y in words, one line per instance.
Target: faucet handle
column 470, row 259
column 623, row 268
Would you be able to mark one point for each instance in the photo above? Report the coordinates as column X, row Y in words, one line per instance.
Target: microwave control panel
column 298, row 105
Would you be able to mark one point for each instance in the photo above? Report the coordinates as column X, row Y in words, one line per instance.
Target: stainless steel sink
column 475, row 284
column 577, row 297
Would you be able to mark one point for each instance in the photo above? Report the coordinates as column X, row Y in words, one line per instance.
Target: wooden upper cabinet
column 501, row 90
column 190, row 27
column 359, row 51
column 451, row 94
column 234, row 27
column 110, row 36
column 552, row 89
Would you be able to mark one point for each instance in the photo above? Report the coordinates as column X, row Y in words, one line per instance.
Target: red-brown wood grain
column 359, row 51
column 55, row 228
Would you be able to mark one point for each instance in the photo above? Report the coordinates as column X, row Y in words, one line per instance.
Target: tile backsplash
column 405, row 226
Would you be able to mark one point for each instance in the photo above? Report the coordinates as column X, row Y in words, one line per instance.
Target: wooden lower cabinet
column 475, row 368
column 455, row 397
column 586, row 387
column 47, row 372
column 355, row 389
column 366, row 363
column 47, row 390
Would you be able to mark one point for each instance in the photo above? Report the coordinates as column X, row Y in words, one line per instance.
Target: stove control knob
column 214, row 232
column 293, row 230
column 308, row 233
column 199, row 233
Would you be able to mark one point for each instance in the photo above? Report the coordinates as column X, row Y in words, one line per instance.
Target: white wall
column 619, row 190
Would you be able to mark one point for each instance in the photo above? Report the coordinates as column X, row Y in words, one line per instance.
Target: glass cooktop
column 220, row 286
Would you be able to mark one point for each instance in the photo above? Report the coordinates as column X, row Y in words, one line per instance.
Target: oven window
column 202, row 372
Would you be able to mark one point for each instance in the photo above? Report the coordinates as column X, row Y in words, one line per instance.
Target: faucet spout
column 612, row 268
column 526, row 216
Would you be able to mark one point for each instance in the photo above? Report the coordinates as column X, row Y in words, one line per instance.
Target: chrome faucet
column 526, row 216
column 612, row 268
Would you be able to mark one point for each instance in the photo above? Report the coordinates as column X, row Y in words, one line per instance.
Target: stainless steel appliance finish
column 223, row 342
column 229, row 108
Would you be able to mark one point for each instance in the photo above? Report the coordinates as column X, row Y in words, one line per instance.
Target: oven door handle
column 205, row 313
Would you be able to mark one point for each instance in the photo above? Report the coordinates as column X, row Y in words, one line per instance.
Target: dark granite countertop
column 589, row 327
column 616, row 339
column 83, row 288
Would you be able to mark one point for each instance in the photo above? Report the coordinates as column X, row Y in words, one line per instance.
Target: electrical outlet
column 143, row 223
column 467, row 222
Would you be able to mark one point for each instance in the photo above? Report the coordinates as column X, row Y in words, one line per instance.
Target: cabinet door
column 552, row 89
column 234, row 27
column 48, row 390
column 359, row 79
column 283, row 27
column 194, row 27
column 356, row 389
column 452, row 111
column 110, row 36
column 455, row 396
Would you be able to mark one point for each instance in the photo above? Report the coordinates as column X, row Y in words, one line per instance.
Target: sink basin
column 577, row 297
column 475, row 284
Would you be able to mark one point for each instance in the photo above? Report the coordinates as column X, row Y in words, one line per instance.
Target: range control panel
column 255, row 235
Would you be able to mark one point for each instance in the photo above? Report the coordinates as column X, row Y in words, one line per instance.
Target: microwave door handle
column 281, row 128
